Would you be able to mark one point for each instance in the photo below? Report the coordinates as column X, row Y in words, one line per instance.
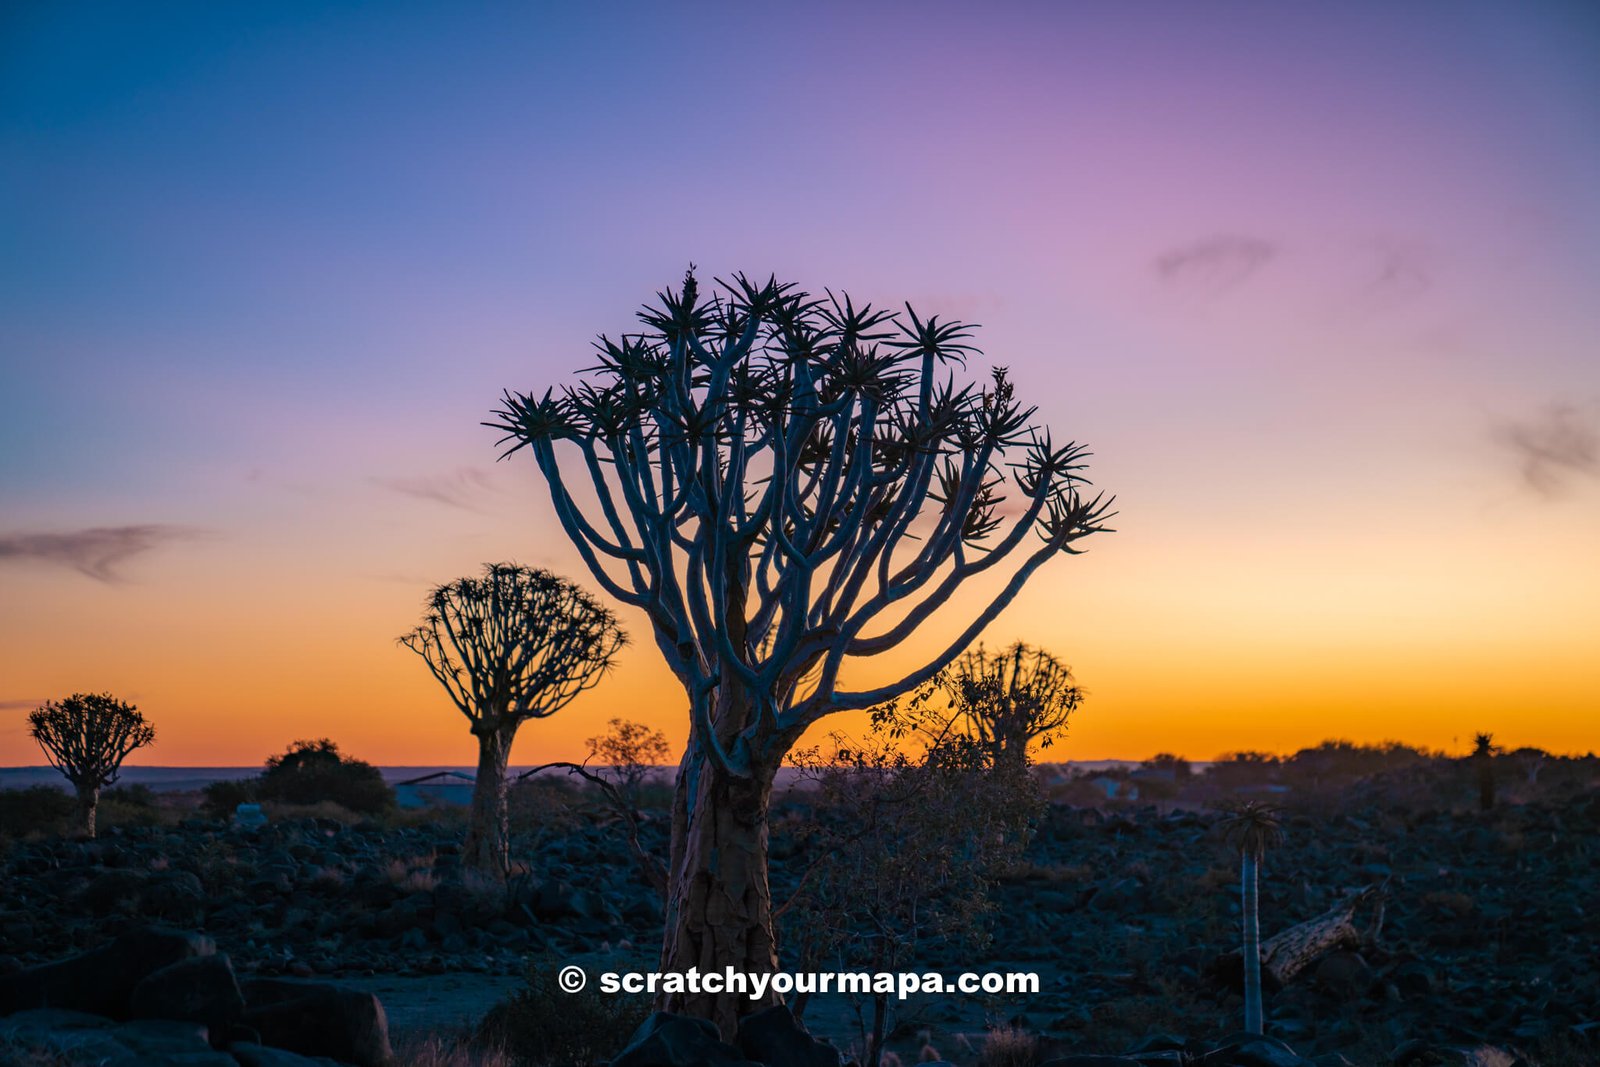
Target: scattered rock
column 318, row 1019
column 101, row 981
column 667, row 1040
column 774, row 1037
column 201, row 989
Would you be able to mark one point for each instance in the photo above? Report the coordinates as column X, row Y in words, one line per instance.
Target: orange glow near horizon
column 1195, row 646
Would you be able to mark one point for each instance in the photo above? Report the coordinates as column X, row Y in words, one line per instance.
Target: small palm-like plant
column 1253, row 828
column 1483, row 753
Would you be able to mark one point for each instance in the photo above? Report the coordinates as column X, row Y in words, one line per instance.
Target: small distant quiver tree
column 786, row 485
column 86, row 737
column 1011, row 698
column 510, row 645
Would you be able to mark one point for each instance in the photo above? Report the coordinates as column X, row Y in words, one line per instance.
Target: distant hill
column 186, row 779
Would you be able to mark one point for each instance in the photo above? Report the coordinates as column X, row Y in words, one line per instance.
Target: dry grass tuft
column 1009, row 1046
column 434, row 1050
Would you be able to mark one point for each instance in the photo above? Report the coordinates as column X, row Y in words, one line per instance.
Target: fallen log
column 1288, row 952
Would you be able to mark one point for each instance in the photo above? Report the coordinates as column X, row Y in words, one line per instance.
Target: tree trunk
column 1251, row 946
column 880, row 1022
column 88, row 804
column 487, row 847
column 719, row 904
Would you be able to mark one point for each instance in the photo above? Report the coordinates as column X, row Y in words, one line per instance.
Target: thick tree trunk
column 1251, row 945
column 88, row 805
column 719, row 904
column 487, row 847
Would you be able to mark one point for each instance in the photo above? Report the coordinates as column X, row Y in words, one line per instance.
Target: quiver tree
column 510, row 645
column 86, row 737
column 1252, row 828
column 1011, row 698
column 786, row 485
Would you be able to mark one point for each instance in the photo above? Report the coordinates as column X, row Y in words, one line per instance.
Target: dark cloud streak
column 1215, row 265
column 98, row 552
column 458, row 489
column 1553, row 448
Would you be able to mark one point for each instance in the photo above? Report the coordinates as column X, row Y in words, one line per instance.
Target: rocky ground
column 1490, row 933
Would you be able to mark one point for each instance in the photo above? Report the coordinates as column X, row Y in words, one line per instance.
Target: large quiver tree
column 86, row 737
column 1011, row 698
column 510, row 645
column 785, row 485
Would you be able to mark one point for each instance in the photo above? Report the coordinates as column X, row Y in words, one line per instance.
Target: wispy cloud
column 20, row 705
column 1214, row 265
column 1554, row 447
column 98, row 552
column 460, row 488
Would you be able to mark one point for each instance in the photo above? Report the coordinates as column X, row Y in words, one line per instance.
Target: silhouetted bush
column 37, row 809
column 313, row 772
column 223, row 798
column 542, row 1024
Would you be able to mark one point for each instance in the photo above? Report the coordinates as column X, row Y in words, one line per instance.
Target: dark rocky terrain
column 1490, row 933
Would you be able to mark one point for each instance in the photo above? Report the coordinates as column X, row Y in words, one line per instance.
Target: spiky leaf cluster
column 785, row 482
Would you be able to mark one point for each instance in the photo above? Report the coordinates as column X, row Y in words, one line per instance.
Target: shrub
column 223, row 798
column 543, row 1026
column 312, row 772
column 130, row 805
column 37, row 809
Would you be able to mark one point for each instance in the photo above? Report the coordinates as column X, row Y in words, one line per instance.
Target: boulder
column 318, row 1019
column 1091, row 1061
column 1343, row 974
column 1244, row 1049
column 774, row 1037
column 69, row 1037
column 667, row 1040
column 250, row 1054
column 101, row 981
column 202, row 989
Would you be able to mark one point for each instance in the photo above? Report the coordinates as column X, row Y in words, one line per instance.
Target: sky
column 1316, row 283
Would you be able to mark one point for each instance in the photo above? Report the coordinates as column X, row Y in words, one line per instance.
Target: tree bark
column 487, row 847
column 88, row 805
column 719, row 903
column 1251, row 946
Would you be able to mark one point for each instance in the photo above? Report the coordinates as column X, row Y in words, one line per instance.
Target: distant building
column 1115, row 788
column 441, row 787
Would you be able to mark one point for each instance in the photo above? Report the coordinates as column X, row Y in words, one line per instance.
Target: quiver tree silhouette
column 786, row 485
column 1011, row 698
column 510, row 645
column 86, row 737
column 1253, row 828
column 1484, row 751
